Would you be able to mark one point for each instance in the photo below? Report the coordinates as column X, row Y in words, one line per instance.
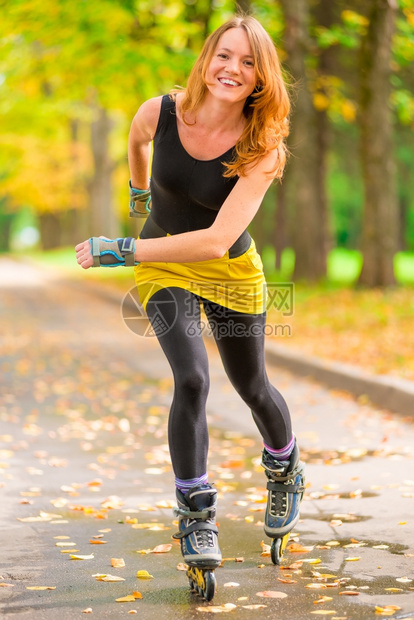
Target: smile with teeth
column 228, row 82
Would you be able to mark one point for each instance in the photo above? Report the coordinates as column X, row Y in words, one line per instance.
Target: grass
column 373, row 329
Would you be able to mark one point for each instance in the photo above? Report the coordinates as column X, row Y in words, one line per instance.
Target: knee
column 252, row 393
column 192, row 383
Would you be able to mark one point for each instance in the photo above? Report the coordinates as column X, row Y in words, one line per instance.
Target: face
column 231, row 74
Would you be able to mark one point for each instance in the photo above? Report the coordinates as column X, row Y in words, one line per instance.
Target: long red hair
column 266, row 109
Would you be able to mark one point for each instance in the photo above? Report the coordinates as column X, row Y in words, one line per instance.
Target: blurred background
column 341, row 225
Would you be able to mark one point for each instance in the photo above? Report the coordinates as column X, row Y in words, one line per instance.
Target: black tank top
column 186, row 192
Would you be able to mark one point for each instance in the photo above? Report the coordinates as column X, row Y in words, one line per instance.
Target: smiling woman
column 217, row 146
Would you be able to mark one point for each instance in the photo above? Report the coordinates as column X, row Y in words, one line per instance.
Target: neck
column 216, row 114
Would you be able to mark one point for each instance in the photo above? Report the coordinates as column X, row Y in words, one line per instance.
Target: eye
column 223, row 56
column 249, row 63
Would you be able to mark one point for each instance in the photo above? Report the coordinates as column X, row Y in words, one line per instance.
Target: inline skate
column 198, row 535
column 286, row 486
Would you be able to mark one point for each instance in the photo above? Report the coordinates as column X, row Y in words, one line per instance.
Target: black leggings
column 175, row 317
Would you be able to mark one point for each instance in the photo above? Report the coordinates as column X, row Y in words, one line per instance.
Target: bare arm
column 142, row 132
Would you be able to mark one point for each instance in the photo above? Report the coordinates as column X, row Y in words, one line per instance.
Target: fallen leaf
column 126, row 599
column 322, row 599
column 298, row 548
column 117, row 562
column 40, row 587
column 162, row 548
column 182, row 566
column 65, row 544
column 109, row 578
column 137, row 594
column 231, row 584
column 349, row 593
column 7, row 585
column 403, row 580
column 286, row 580
column 324, row 612
column 88, row 610
column 387, row 610
column 218, row 609
column 144, row 574
column 82, row 557
column 352, row 559
column 254, row 606
column 271, row 594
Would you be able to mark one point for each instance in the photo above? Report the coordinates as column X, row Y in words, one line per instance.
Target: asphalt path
column 84, row 471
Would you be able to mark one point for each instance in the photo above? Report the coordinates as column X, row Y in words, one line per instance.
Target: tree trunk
column 103, row 216
column 326, row 14
column 308, row 234
column 380, row 226
column 6, row 220
column 279, row 235
column 50, row 230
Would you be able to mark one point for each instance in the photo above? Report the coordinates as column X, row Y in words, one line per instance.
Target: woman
column 218, row 145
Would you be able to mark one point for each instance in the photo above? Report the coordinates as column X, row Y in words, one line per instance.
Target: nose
column 233, row 65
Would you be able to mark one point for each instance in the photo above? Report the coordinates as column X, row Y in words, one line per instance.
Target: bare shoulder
column 146, row 119
column 267, row 163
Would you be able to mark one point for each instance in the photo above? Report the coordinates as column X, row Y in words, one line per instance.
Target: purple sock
column 284, row 453
column 185, row 485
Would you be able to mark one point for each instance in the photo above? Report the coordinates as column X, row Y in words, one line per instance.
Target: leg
column 175, row 316
column 240, row 341
column 178, row 312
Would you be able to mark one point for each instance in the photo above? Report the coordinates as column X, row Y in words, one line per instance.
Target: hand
column 104, row 252
column 139, row 201
column 84, row 256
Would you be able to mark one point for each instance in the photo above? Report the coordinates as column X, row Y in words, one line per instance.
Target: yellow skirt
column 235, row 283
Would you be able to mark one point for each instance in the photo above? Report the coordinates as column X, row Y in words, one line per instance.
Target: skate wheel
column 209, row 585
column 277, row 548
column 276, row 551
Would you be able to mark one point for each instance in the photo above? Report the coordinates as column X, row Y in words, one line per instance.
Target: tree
column 308, row 234
column 380, row 226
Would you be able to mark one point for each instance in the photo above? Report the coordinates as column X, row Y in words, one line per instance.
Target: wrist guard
column 139, row 201
column 113, row 252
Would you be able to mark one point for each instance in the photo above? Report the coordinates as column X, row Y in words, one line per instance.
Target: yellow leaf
column 88, row 610
column 40, row 587
column 144, row 574
column 6, row 585
column 109, row 578
column 137, row 594
column 352, row 559
column 324, row 612
column 322, row 599
column 82, row 557
column 126, row 599
column 65, row 544
column 313, row 561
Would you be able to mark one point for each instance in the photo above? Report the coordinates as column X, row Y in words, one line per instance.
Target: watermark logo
column 221, row 321
column 281, row 297
column 136, row 319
